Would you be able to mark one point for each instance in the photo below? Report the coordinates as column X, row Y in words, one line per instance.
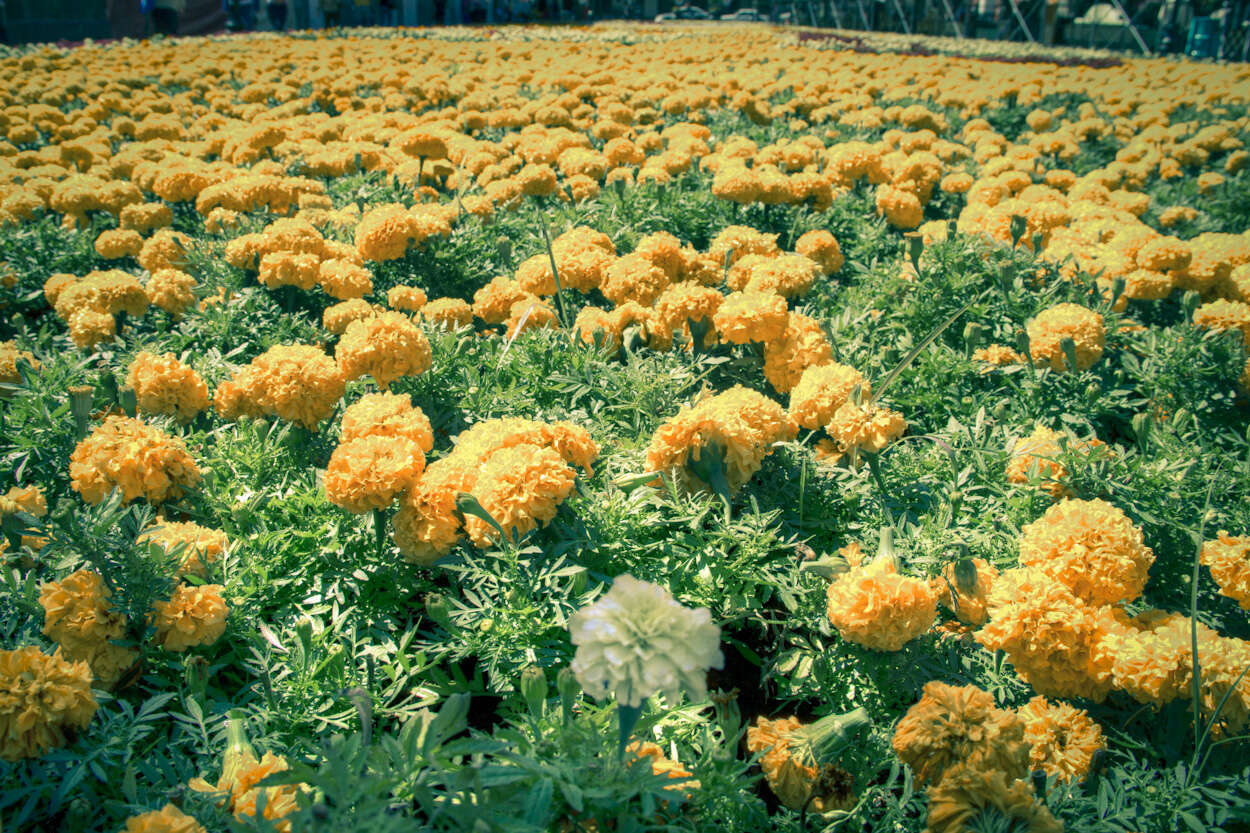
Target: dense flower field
column 622, row 429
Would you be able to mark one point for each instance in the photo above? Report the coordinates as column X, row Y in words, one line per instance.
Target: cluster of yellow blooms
column 136, row 458
column 381, row 452
column 518, row 470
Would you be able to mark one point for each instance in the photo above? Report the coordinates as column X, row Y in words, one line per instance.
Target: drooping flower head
column 637, row 640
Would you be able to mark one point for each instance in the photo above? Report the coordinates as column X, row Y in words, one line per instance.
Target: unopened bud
column 534, row 689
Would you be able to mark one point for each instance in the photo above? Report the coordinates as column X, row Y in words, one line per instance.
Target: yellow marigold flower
column 662, row 765
column 194, row 615
column 968, row 793
column 336, row 318
column 146, row 216
column 866, row 427
column 1164, row 254
column 202, row 546
column 634, row 278
column 571, row 442
column 752, row 316
column 872, row 605
column 296, row 382
column 1084, row 326
column 1177, row 214
column 1090, row 547
column 536, row 180
column 737, row 183
column 29, row 499
column 9, row 357
column 591, row 320
column 386, row 232
column 164, row 385
column 78, row 614
column 43, row 699
column 1149, row 657
column 168, row 819
column 791, row 779
column 1040, row 449
column 448, row 313
column 535, row 277
column 298, row 269
column 171, row 290
column 370, row 472
column 802, row 345
column 530, row 313
column 519, row 486
column 684, row 302
column 953, row 725
column 427, row 525
column 1145, row 285
column 387, row 415
column 736, row 242
column 996, row 355
column 114, row 244
column 405, row 298
column 967, row 601
column 652, row 329
column 1223, row 660
column 108, row 292
column 140, row 460
column 166, row 249
column 900, row 207
column 822, row 390
column 240, row 775
column 663, row 250
column 386, row 346
column 55, row 285
column 787, row 275
column 493, row 302
column 822, row 248
column 743, row 423
column 87, row 328
column 343, row 279
column 1229, row 561
column 1062, row 739
column 1048, row 634
column 1222, row 314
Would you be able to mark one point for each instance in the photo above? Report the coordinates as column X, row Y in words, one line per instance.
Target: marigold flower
column 1090, row 547
column 493, row 303
column 736, row 242
column 386, row 346
column 164, row 385
column 960, row 725
column 968, row 793
column 823, row 389
column 822, row 248
column 752, row 316
column 1048, row 634
column 661, row 764
column 900, row 207
column 448, row 313
column 966, row 600
column 296, row 382
column 194, row 615
column 1062, row 739
column 787, row 275
column 336, row 318
column 427, row 525
column 874, row 606
column 202, row 546
column 166, row 249
column 9, row 357
column 1223, row 314
column 344, row 279
column 519, row 486
column 370, row 472
column 996, row 355
column 87, row 328
column 802, row 345
column 742, row 423
column 530, row 313
column 637, row 640
column 1048, row 329
column 168, row 819
column 790, row 778
column 115, row 244
column 136, row 458
column 405, row 298
column 78, row 614
column 42, row 700
column 171, row 290
column 241, row 772
column 387, row 415
column 1040, row 449
column 866, row 427
column 634, row 278
column 684, row 302
column 1229, row 561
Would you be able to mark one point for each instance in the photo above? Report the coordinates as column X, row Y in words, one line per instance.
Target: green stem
column 875, row 467
column 379, row 529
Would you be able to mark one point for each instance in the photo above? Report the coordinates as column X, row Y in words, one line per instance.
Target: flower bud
column 80, row 407
column 534, row 689
column 569, row 688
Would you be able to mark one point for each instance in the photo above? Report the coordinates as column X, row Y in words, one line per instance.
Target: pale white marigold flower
column 637, row 641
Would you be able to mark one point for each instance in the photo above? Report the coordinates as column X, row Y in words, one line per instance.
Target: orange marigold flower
column 117, row 243
column 78, row 613
column 9, row 357
column 634, row 278
column 967, row 600
column 336, row 318
column 387, row 415
column 448, row 313
column 387, row 346
column 736, row 242
column 370, row 472
column 684, row 302
column 405, row 298
column 1048, row 634
column 662, row 765
column 968, row 793
column 953, row 725
column 519, row 486
column 138, row 459
column 43, row 699
column 343, row 279
column 822, row 248
column 791, row 779
column 1066, row 321
column 200, row 545
column 1062, row 739
column 168, row 819
column 427, row 525
column 164, row 385
column 530, row 313
column 1091, row 548
column 171, row 290
column 1223, row 314
column 787, row 275
column 742, row 423
column 1229, row 561
column 296, row 382
column 802, row 345
column 493, row 302
column 822, row 390
column 997, row 355
column 194, row 615
column 752, row 316
column 87, row 328
column 874, row 606
column 866, row 427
